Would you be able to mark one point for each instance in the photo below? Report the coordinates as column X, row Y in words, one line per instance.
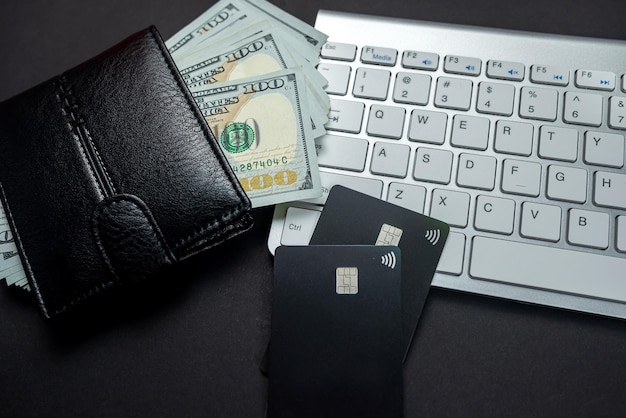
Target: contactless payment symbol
column 389, row 235
column 389, row 260
column 432, row 236
column 347, row 280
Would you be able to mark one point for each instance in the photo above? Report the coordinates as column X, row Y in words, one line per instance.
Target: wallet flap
column 130, row 241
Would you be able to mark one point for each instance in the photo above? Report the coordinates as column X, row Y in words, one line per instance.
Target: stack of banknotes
column 250, row 67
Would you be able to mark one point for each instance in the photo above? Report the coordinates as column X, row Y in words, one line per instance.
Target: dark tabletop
column 190, row 345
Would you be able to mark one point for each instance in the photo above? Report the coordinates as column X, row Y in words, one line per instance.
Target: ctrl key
column 299, row 226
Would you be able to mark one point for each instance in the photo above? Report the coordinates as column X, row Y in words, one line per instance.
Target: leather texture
column 110, row 173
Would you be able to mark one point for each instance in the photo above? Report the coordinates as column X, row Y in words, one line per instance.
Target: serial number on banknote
column 255, row 165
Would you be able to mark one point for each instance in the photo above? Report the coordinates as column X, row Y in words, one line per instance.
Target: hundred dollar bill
column 257, row 54
column 260, row 123
column 226, row 13
column 11, row 267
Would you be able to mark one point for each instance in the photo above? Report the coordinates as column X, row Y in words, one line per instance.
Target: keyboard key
column 461, row 65
column 513, row 137
column 620, row 243
column 451, row 260
column 541, row 221
column 558, row 143
column 495, row 98
column 470, row 132
column 341, row 152
column 538, row 103
column 505, row 70
column 604, row 149
column 597, row 80
column 420, row 60
column 299, row 226
column 453, row 93
column 617, row 112
column 582, row 108
column 339, row 51
column 548, row 74
column 411, row 88
column 427, row 126
column 370, row 187
column 494, row 214
column 345, row 116
column 386, row 121
column 433, row 165
column 567, row 183
column 476, row 171
column 521, row 177
column 624, row 83
column 588, row 229
column 370, row 83
column 408, row 196
column 548, row 268
column 378, row 55
column 610, row 190
column 390, row 159
column 338, row 77
column 451, row 207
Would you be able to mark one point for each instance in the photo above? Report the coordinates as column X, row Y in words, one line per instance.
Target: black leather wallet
column 109, row 173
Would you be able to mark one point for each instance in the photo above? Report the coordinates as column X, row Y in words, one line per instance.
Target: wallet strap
column 130, row 241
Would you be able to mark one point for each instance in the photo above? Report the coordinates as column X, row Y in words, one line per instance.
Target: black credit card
column 336, row 337
column 353, row 218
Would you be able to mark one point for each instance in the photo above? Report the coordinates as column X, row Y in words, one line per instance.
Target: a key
column 505, row 70
column 548, row 74
column 470, row 132
column 548, row 268
column 558, row 143
column 538, row 103
column 453, row 93
column 540, row 221
column 338, row 77
column 451, row 260
column 494, row 214
column 432, row 165
column 610, row 190
column 604, row 149
column 567, row 183
column 451, row 207
column 597, row 80
column 338, row 51
column 476, row 171
column 427, row 126
column 521, row 177
column 386, row 121
column 345, row 116
column 420, row 60
column 372, row 187
column 411, row 88
column 341, row 152
column 495, row 98
column 582, row 108
column 408, row 196
column 617, row 112
column 588, row 229
column 513, row 137
column 390, row 159
column 371, row 83
column 299, row 226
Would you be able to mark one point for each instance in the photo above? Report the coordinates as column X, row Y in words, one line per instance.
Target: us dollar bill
column 259, row 52
column 11, row 269
column 261, row 125
column 228, row 13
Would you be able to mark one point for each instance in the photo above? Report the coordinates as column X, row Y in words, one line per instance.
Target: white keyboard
column 514, row 139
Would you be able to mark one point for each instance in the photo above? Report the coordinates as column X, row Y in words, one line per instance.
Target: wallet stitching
column 241, row 206
column 76, row 126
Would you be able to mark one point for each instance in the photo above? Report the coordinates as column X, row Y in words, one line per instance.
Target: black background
column 190, row 344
